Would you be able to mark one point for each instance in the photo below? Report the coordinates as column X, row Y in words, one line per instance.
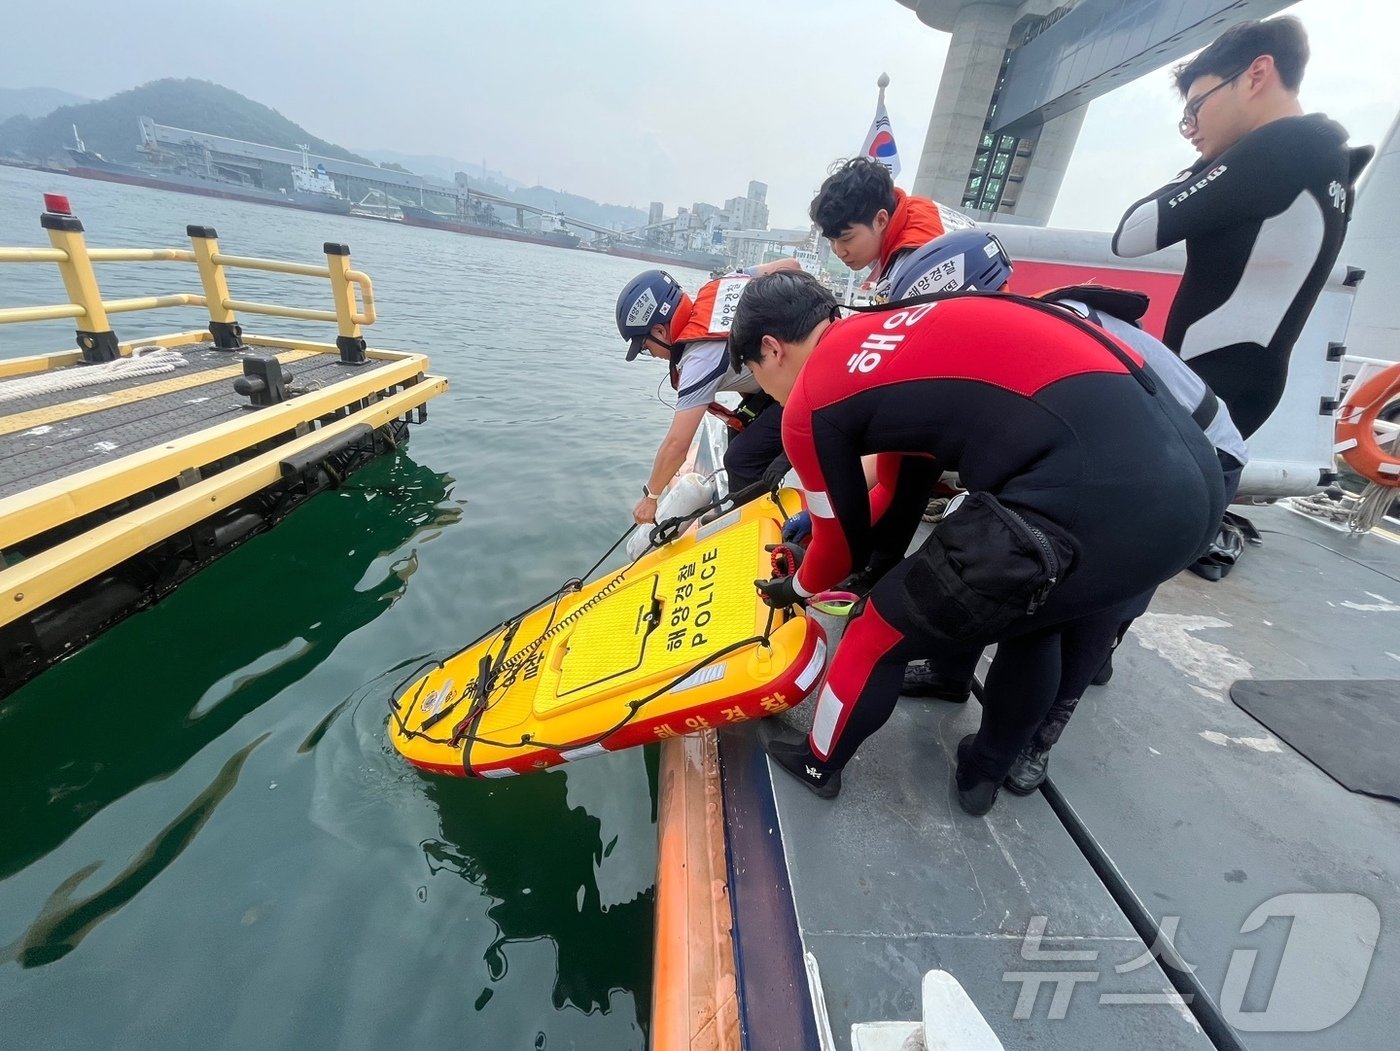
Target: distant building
column 703, row 227
column 703, row 211
column 1017, row 79
column 749, row 212
column 745, row 247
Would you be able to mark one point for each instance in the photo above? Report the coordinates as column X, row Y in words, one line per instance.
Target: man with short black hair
column 1263, row 213
column 869, row 220
column 974, row 260
column 1086, row 486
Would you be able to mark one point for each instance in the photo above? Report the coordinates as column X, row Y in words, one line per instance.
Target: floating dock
column 125, row 467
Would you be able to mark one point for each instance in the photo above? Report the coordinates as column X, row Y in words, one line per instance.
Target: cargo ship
column 659, row 255
column 483, row 225
column 312, row 188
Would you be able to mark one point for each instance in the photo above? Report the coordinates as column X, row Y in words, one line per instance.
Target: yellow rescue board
column 676, row 643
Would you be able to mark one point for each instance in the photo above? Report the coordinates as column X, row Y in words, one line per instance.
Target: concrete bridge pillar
column 1053, row 149
column 980, row 32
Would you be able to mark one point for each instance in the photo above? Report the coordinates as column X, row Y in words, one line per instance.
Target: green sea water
column 205, row 837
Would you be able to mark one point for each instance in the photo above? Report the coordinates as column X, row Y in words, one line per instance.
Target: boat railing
column 352, row 291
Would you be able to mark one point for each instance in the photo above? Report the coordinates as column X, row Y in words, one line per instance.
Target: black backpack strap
column 1069, row 317
column 1125, row 304
column 1205, row 413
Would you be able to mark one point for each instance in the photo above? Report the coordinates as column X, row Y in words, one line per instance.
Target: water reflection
column 132, row 727
column 297, row 909
column 544, row 876
column 65, row 920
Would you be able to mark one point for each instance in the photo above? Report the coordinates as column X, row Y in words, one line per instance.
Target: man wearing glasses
column 1263, row 213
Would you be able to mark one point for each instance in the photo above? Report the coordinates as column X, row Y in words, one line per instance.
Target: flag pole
column 882, row 83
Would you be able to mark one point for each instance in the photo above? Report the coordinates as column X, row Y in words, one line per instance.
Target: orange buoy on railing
column 1356, row 429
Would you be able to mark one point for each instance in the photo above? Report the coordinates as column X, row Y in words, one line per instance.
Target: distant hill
column 445, row 168
column 34, row 102
column 110, row 125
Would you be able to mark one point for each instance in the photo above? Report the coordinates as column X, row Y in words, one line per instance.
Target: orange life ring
column 1356, row 434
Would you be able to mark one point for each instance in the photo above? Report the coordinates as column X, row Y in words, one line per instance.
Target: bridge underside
column 1099, row 45
column 1018, row 75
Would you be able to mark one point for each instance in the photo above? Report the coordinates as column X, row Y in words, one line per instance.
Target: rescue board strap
column 491, row 672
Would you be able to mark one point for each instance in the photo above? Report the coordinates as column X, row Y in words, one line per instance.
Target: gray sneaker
column 1028, row 772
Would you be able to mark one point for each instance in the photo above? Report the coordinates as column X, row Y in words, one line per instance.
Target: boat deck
column 1166, row 803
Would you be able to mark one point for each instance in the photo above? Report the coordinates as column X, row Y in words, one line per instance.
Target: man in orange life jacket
column 656, row 316
column 869, row 220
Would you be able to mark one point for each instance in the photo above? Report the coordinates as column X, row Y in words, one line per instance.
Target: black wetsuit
column 1263, row 224
column 1025, row 404
column 701, row 369
column 752, row 451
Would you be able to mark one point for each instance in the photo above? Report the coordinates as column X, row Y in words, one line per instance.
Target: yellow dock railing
column 69, row 251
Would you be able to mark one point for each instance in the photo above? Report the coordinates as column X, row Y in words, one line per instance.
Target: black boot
column 976, row 792
column 1225, row 550
column 1028, row 772
column 797, row 759
column 921, row 679
column 1104, row 673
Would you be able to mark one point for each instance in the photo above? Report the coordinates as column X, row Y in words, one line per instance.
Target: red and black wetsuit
column 1026, row 405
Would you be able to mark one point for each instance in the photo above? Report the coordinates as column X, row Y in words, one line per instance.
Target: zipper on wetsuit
column 1051, row 562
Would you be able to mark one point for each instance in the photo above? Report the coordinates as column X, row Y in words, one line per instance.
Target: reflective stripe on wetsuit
column 1024, row 404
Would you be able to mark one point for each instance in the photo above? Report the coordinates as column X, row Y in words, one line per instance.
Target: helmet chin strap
column 668, row 347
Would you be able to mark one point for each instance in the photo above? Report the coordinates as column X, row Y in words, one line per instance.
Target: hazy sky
column 629, row 101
